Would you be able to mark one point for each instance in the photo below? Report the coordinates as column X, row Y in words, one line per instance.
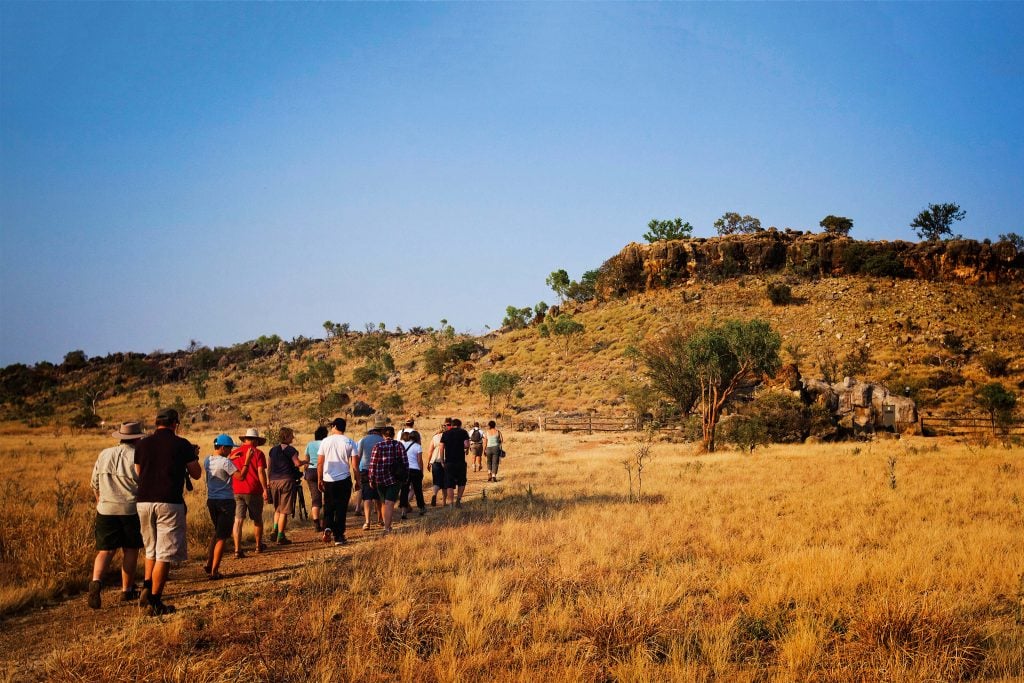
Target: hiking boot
column 145, row 597
column 283, row 540
column 157, row 608
column 94, row 594
column 130, row 595
column 327, row 535
column 260, row 548
column 458, row 503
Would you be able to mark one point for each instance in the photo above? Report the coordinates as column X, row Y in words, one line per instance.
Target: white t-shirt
column 413, row 451
column 335, row 451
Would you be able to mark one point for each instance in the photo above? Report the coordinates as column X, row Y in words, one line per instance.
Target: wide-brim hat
column 253, row 434
column 129, row 431
column 380, row 422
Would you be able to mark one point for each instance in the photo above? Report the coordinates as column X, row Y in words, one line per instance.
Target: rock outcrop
column 639, row 267
column 863, row 405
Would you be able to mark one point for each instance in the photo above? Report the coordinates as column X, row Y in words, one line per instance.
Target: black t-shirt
column 163, row 457
column 281, row 465
column 454, row 441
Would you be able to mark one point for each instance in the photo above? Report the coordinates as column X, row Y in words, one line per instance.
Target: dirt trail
column 27, row 638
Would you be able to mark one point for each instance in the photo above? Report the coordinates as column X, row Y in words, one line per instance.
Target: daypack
column 400, row 466
column 475, row 436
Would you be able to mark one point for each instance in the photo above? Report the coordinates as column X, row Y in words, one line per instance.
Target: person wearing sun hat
column 368, row 493
column 220, row 498
column 116, row 485
column 250, row 491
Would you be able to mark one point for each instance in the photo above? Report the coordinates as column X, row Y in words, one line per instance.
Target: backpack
column 400, row 466
column 475, row 436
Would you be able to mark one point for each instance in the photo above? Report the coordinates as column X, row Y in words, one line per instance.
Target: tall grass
column 798, row 563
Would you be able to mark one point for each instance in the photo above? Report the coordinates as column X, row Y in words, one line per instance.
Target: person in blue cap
column 220, row 498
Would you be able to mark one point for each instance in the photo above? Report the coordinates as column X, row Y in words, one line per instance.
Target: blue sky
column 218, row 171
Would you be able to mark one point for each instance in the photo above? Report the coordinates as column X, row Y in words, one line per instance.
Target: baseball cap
column 223, row 440
column 168, row 414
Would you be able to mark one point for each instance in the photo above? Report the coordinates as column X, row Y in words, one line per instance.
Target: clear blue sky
column 218, row 171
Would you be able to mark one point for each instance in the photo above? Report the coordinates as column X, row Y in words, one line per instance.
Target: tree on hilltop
column 937, row 220
column 661, row 231
column 837, row 225
column 559, row 282
column 732, row 223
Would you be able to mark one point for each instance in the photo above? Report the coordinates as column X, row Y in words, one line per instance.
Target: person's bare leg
column 462, row 489
column 367, row 507
column 257, row 531
column 129, row 562
column 101, row 563
column 159, row 576
column 236, row 534
column 216, row 555
column 388, row 513
column 449, row 494
column 148, row 570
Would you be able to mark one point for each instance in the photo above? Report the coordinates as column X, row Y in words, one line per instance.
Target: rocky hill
column 936, row 320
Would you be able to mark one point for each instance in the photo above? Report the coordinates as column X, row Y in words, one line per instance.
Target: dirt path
column 26, row 639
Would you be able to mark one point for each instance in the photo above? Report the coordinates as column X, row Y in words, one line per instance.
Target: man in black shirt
column 454, row 444
column 162, row 461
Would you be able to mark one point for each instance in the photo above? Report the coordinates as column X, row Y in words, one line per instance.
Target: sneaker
column 94, row 594
column 283, row 540
column 260, row 548
column 157, row 608
column 145, row 597
column 328, row 534
column 366, row 526
column 341, row 541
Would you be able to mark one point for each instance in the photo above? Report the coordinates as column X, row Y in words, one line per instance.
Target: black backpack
column 400, row 466
column 475, row 436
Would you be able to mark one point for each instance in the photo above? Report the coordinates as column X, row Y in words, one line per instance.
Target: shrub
column 995, row 364
column 953, row 341
column 856, row 362
column 784, row 416
column 944, row 378
column 884, row 264
column 779, row 293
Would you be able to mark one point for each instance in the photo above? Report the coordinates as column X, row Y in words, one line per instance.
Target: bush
column 746, row 432
column 779, row 293
column 944, row 378
column 884, row 264
column 786, row 419
column 995, row 364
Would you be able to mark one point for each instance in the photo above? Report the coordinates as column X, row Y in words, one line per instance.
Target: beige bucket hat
column 129, row 431
column 253, row 434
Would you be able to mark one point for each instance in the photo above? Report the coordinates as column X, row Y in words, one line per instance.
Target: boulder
column 362, row 409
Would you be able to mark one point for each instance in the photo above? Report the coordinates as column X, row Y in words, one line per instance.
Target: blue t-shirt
column 313, row 453
column 218, row 477
column 366, row 448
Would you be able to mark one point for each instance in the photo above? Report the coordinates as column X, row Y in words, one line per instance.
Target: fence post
column 590, row 423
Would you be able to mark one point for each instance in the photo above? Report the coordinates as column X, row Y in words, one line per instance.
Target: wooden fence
column 946, row 425
column 588, row 423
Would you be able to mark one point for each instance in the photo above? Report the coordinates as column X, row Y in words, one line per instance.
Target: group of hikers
column 140, row 505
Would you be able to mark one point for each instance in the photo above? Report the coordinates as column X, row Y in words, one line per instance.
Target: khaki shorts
column 163, row 531
column 282, row 495
column 251, row 503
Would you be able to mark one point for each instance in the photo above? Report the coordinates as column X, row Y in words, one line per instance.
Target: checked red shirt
column 381, row 458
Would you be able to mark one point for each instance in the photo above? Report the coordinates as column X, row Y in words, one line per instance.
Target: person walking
column 116, row 485
column 476, row 447
column 220, row 498
column 388, row 468
column 309, row 460
column 454, row 444
column 162, row 461
column 250, row 491
column 437, row 467
column 414, row 453
column 284, row 476
column 338, row 462
column 368, row 493
column 494, row 450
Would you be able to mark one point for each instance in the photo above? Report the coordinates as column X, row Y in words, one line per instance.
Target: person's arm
column 95, row 481
column 240, row 473
column 261, row 473
column 419, row 455
column 374, row 465
column 320, row 473
column 195, row 470
column 353, row 467
column 440, row 447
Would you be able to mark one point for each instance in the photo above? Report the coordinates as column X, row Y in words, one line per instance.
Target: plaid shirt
column 383, row 455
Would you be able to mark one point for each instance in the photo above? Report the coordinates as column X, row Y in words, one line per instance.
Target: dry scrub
column 797, row 563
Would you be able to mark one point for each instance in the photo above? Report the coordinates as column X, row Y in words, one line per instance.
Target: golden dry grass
column 796, row 563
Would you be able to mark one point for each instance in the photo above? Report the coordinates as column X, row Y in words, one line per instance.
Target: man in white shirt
column 337, row 464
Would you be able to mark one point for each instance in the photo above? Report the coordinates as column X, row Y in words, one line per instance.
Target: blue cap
column 223, row 440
